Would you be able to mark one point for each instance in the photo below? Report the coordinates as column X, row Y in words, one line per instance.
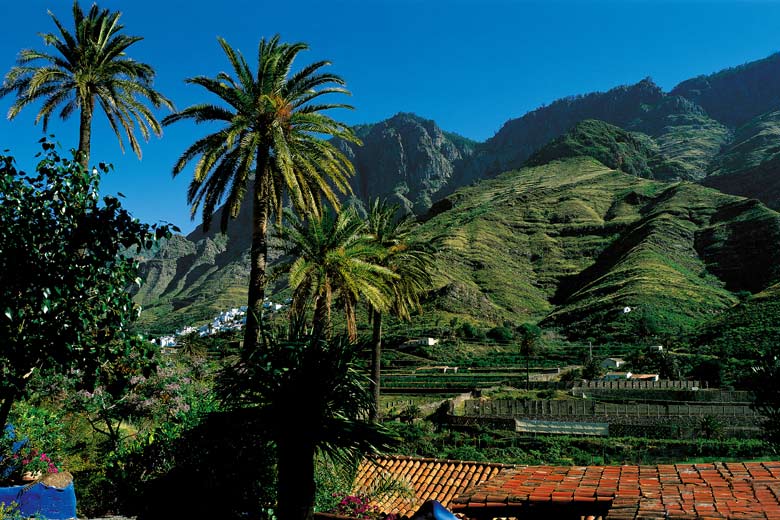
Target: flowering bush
column 19, row 458
column 358, row 506
column 34, row 463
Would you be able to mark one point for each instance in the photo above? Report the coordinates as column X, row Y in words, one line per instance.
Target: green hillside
column 576, row 242
column 612, row 146
column 685, row 135
column 746, row 331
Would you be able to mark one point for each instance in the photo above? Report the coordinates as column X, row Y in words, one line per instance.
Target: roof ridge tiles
column 444, row 461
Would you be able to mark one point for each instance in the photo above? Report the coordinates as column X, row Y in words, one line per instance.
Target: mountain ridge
column 636, row 128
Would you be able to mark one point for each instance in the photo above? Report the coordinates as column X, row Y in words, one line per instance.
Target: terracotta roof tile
column 716, row 490
column 427, row 479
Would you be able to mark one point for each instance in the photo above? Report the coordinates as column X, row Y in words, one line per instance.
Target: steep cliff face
column 406, row 158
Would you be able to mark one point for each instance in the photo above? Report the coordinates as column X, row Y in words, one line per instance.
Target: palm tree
column 409, row 262
column 272, row 130
column 310, row 398
column 333, row 258
column 530, row 337
column 89, row 68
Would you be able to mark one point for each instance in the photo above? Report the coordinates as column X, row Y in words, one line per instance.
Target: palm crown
column 271, row 127
column 334, row 257
column 89, row 67
column 409, row 262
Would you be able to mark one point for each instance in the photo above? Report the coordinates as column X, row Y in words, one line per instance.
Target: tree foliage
column 272, row 125
column 409, row 261
column 767, row 391
column 66, row 266
column 334, row 259
column 308, row 397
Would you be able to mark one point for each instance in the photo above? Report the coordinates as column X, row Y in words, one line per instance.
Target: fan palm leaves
column 270, row 144
column 90, row 67
column 333, row 258
column 311, row 397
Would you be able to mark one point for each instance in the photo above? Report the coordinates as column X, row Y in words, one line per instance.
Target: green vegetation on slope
column 579, row 242
column 746, row 331
column 685, row 135
column 635, row 154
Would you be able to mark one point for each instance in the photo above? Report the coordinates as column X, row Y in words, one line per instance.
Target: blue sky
column 469, row 65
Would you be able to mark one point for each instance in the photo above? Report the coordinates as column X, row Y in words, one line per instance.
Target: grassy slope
column 577, row 241
column 630, row 152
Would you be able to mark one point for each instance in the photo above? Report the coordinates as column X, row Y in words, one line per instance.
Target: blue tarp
column 48, row 502
column 433, row 510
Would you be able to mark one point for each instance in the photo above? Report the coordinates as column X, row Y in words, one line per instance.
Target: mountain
column 683, row 131
column 750, row 165
column 632, row 153
column 576, row 243
column 685, row 134
column 736, row 95
column 596, row 210
column 406, row 158
column 194, row 278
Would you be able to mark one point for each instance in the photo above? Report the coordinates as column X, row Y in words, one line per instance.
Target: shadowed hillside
column 736, row 95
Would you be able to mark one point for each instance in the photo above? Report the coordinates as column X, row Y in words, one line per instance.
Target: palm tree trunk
column 321, row 318
column 258, row 257
column 85, row 132
column 376, row 360
column 295, row 480
column 528, row 372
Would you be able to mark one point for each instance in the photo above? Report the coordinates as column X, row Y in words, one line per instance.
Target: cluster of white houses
column 231, row 319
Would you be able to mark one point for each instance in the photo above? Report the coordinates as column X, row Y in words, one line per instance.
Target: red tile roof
column 715, row 490
column 427, row 479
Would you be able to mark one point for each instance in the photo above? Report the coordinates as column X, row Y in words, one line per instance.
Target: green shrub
column 471, row 331
column 501, row 334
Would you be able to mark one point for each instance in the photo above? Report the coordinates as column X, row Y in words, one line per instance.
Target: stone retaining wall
column 588, row 408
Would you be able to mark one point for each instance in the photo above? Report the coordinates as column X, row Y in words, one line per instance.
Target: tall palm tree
column 333, row 258
column 89, row 68
column 530, row 337
column 270, row 128
column 310, row 397
column 409, row 262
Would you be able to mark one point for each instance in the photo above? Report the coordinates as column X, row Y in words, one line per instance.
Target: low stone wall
column 590, row 408
column 717, row 396
column 669, row 420
column 669, row 427
column 632, row 384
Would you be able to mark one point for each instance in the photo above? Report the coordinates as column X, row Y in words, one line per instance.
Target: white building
column 612, row 363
